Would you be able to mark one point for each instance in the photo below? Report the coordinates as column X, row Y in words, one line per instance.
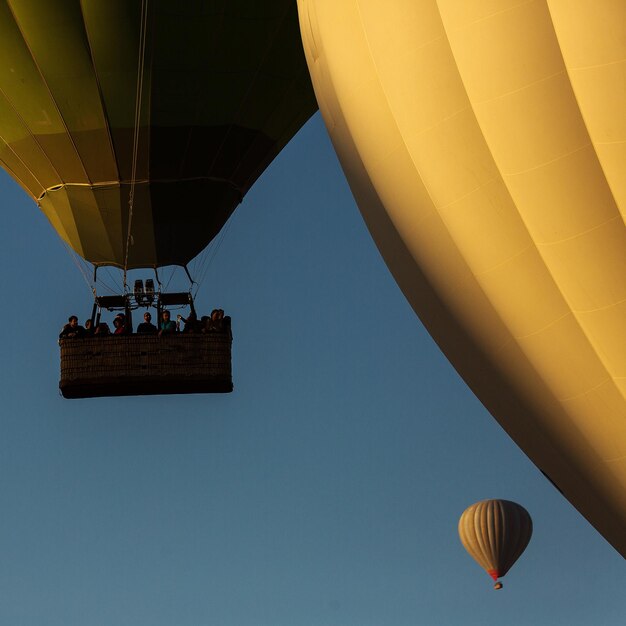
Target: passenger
column 204, row 320
column 214, row 325
column 120, row 328
column 147, row 327
column 89, row 330
column 102, row 330
column 72, row 328
column 128, row 329
column 167, row 326
column 191, row 324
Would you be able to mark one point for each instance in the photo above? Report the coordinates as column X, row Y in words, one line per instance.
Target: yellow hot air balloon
column 485, row 144
column 495, row 533
column 173, row 108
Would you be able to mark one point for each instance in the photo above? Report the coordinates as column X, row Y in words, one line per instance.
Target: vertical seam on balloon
column 100, row 94
column 314, row 47
column 426, row 187
column 586, row 334
column 105, row 117
column 51, row 197
column 478, row 513
column 510, row 518
column 496, row 311
column 137, row 127
column 14, row 175
column 503, row 536
column 492, row 532
column 581, row 113
column 52, row 99
column 36, row 141
column 583, row 334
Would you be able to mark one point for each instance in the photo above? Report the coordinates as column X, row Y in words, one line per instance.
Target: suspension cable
column 206, row 264
column 138, row 100
column 81, row 268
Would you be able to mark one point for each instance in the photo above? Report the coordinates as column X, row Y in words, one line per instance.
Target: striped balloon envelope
column 138, row 127
column 485, row 144
column 495, row 533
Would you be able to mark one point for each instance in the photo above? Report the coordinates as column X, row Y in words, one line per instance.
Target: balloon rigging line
column 113, row 279
column 76, row 260
column 203, row 259
column 198, row 264
column 208, row 261
column 173, row 271
column 138, row 99
column 86, row 271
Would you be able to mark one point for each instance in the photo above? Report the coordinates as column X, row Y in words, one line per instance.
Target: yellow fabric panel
column 537, row 193
column 23, row 154
column 592, row 38
column 548, row 159
column 142, row 244
column 611, row 437
column 463, row 142
column 115, row 67
column 25, row 89
column 18, row 170
column 56, row 207
column 102, row 214
column 68, row 74
column 116, row 64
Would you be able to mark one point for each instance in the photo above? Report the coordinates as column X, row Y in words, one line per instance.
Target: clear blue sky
column 324, row 491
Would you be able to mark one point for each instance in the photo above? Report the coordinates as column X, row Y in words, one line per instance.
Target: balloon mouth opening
column 494, row 573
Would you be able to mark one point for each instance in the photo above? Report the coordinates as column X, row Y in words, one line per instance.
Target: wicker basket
column 146, row 364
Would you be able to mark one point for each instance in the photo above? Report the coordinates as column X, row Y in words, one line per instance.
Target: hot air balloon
column 485, row 145
column 180, row 107
column 138, row 127
column 495, row 533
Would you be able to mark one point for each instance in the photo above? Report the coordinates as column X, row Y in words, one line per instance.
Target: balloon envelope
column 495, row 533
column 485, row 144
column 221, row 88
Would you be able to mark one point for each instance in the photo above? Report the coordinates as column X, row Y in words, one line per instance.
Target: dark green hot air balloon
column 138, row 127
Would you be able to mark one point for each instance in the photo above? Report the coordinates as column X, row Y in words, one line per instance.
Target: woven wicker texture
column 146, row 364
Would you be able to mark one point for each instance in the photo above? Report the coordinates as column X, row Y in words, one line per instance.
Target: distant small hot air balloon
column 495, row 533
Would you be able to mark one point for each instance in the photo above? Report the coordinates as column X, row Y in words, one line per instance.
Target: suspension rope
column 112, row 277
column 210, row 257
column 169, row 280
column 81, row 268
column 138, row 100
